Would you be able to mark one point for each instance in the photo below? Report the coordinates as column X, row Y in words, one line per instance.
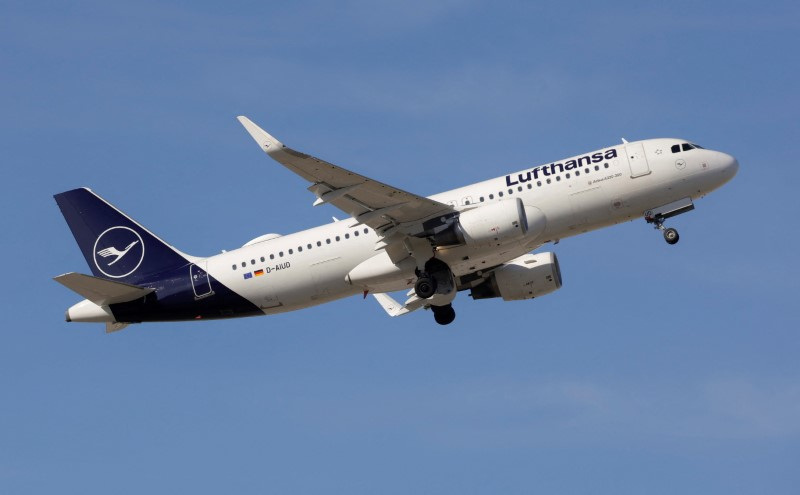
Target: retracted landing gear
column 444, row 315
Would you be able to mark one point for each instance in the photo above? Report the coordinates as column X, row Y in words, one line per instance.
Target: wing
column 385, row 208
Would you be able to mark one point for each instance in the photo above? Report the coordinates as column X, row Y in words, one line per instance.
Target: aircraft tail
column 115, row 246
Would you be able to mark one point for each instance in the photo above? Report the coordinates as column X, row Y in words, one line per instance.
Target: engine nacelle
column 494, row 224
column 526, row 277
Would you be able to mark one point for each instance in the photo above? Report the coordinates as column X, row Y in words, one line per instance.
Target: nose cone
column 729, row 166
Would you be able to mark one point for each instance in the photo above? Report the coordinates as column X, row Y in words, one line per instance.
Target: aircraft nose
column 729, row 165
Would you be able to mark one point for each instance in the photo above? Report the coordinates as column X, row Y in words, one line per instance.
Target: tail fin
column 114, row 245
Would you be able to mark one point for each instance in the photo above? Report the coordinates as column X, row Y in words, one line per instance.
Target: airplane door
column 637, row 160
column 201, row 284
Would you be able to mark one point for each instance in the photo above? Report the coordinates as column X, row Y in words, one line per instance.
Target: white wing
column 369, row 202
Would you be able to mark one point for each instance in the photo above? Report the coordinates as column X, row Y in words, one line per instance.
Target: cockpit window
column 676, row 148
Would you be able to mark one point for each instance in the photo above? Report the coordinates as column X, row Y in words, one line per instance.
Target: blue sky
column 655, row 369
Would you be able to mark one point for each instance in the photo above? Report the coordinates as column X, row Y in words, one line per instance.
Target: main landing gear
column 436, row 285
column 444, row 315
column 425, row 286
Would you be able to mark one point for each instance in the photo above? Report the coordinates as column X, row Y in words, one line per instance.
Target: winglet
column 267, row 142
column 392, row 307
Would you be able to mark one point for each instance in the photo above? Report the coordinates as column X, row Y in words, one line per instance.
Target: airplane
column 479, row 238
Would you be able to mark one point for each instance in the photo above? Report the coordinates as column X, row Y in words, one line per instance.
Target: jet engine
column 490, row 225
column 526, row 277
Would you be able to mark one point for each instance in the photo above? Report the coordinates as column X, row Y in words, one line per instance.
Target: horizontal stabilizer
column 392, row 307
column 101, row 291
column 115, row 326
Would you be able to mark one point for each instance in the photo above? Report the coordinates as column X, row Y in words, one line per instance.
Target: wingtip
column 265, row 140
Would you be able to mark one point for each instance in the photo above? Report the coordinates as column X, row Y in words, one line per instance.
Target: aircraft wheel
column 444, row 315
column 425, row 287
column 671, row 236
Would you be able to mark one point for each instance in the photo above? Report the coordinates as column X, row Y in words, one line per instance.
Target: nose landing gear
column 657, row 215
column 670, row 234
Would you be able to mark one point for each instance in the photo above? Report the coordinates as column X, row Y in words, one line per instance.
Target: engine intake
column 526, row 277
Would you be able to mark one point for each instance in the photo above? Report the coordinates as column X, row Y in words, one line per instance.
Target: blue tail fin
column 114, row 245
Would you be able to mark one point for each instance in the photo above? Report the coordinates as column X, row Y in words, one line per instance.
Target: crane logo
column 118, row 252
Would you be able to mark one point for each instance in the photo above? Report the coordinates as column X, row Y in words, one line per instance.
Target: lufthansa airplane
column 478, row 238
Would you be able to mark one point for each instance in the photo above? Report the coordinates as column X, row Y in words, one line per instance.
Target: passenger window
column 567, row 175
column 272, row 256
column 347, row 236
column 577, row 173
column 586, row 170
column 355, row 233
column 262, row 259
column 500, row 194
column 308, row 245
column 366, row 230
column 252, row 262
column 280, row 254
column 481, row 199
column 549, row 181
column 338, row 238
column 539, row 183
column 299, row 249
column 606, row 165
column 291, row 251
column 530, row 186
column 319, row 243
column 676, row 148
column 234, row 267
column 597, row 167
column 327, row 241
column 558, row 178
column 510, row 191
column 244, row 264
column 491, row 196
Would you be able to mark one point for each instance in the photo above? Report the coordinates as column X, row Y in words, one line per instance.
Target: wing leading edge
column 385, row 208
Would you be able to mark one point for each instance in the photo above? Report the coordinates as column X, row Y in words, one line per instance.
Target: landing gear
column 444, row 315
column 425, row 286
column 657, row 215
column 670, row 234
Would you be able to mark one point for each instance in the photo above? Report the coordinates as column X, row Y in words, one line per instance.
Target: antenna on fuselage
column 624, row 141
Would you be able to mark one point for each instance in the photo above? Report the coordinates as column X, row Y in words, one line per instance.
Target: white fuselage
column 575, row 195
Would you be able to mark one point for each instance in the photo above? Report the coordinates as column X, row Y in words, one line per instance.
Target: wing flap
column 102, row 291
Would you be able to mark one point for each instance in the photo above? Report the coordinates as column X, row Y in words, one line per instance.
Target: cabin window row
column 299, row 249
column 539, row 183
